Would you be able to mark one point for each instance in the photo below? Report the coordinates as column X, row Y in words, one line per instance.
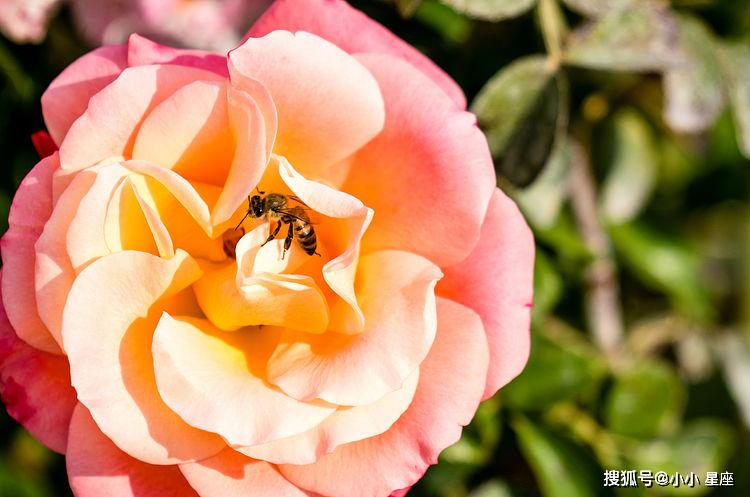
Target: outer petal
column 142, row 51
column 35, row 388
column 108, row 326
column 396, row 293
column 31, row 208
column 428, row 175
column 111, row 121
column 346, row 425
column 54, row 273
column 354, row 32
column 96, row 467
column 450, row 387
column 229, row 473
column 68, row 95
column 211, row 379
column 496, row 280
column 328, row 104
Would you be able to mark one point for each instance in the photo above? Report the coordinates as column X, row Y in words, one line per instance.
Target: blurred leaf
column 542, row 200
column 407, row 8
column 665, row 264
column 646, row 400
column 446, row 479
column 479, row 439
column 559, row 368
column 453, row 27
column 563, row 236
column 632, row 172
column 560, row 467
column 734, row 357
column 596, row 8
column 701, row 446
column 492, row 488
column 553, row 25
column 627, row 40
column 694, row 93
column 14, row 483
column 736, row 63
column 491, row 10
column 517, row 109
column 22, row 84
column 548, row 286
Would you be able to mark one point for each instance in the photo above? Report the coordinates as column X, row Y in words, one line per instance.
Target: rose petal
column 43, row 144
column 353, row 31
column 450, row 387
column 54, row 273
column 142, row 52
column 96, row 467
column 32, row 206
column 428, row 175
column 496, row 280
column 68, row 95
column 210, row 378
column 231, row 473
column 112, row 119
column 188, row 132
column 395, row 292
column 346, row 425
column 328, row 104
column 35, row 388
column 248, row 124
column 108, row 326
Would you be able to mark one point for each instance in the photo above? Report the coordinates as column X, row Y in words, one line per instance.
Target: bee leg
column 273, row 235
column 288, row 240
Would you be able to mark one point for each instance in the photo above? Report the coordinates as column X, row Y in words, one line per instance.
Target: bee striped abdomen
column 306, row 236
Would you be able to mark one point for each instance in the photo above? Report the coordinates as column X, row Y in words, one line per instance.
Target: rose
column 167, row 354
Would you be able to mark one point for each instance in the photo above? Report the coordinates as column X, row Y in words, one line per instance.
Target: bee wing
column 297, row 199
column 288, row 212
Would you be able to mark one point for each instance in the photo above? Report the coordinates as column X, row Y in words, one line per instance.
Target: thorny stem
column 602, row 300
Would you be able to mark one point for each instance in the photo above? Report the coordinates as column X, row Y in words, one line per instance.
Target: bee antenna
column 259, row 191
column 242, row 220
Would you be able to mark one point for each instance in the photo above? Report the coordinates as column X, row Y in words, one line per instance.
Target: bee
column 275, row 206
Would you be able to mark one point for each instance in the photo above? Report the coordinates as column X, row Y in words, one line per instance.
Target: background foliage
column 622, row 128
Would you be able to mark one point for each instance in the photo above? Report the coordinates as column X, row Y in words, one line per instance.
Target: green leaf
column 548, row 286
column 627, row 40
column 561, row 468
column 736, row 63
column 559, row 368
column 518, row 110
column 407, row 8
column 632, row 171
column 491, row 10
column 542, row 200
column 694, row 94
column 492, row 488
column 701, row 446
column 646, row 400
column 597, row 8
column 664, row 264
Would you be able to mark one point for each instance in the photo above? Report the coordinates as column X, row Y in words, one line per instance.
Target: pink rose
column 168, row 354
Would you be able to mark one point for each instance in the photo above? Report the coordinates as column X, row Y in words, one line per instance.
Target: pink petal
column 108, row 326
column 346, row 425
column 428, row 175
column 229, row 473
column 328, row 104
column 43, row 144
column 68, row 95
column 395, row 291
column 496, row 280
column 110, row 124
column 32, row 206
column 142, row 52
column 96, row 467
column 54, row 273
column 450, row 387
column 211, row 379
column 35, row 388
column 354, row 32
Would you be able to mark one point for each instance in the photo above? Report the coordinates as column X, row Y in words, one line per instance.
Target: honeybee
column 275, row 206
